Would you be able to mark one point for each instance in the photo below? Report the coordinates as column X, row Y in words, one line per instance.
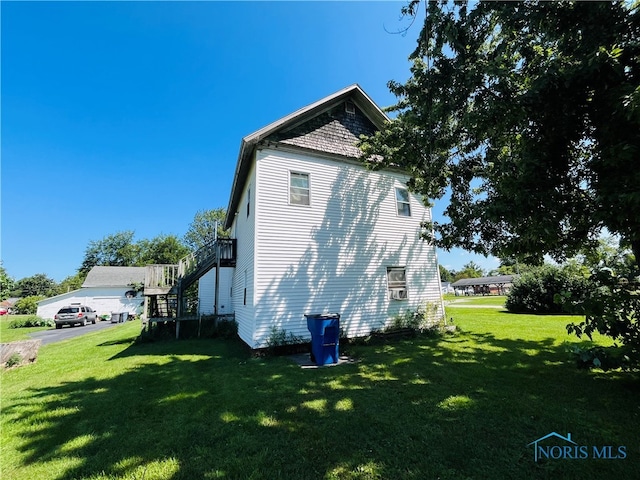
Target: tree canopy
column 528, row 115
column 116, row 250
column 202, row 229
column 6, row 283
column 120, row 250
column 34, row 286
column 163, row 249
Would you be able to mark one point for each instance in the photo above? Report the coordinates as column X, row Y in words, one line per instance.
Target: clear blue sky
column 128, row 116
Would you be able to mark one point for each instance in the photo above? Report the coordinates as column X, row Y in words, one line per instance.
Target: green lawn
column 496, row 300
column 457, row 407
column 13, row 334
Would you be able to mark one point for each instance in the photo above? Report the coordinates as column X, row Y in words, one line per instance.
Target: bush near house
column 27, row 305
column 31, row 321
column 534, row 291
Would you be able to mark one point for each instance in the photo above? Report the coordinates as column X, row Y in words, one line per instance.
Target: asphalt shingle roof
column 114, row 276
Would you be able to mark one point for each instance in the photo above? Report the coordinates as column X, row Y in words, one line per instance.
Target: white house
column 318, row 232
column 106, row 290
column 206, row 292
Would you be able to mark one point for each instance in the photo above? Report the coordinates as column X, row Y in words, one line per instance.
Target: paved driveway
column 66, row 332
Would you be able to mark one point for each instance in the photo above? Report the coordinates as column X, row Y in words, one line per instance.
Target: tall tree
column 445, row 275
column 163, row 249
column 113, row 250
column 202, row 228
column 72, row 282
column 35, row 285
column 469, row 270
column 528, row 113
column 6, row 283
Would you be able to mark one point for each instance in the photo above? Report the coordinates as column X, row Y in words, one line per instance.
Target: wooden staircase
column 165, row 285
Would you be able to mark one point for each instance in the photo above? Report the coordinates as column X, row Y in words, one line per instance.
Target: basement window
column 397, row 283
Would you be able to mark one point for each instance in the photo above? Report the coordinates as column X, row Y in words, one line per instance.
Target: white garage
column 106, row 290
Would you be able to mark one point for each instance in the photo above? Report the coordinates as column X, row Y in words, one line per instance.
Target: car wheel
column 84, row 322
column 58, row 326
column 93, row 322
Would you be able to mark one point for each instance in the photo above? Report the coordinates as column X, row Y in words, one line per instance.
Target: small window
column 350, row 108
column 248, row 200
column 402, row 202
column 397, row 283
column 299, row 188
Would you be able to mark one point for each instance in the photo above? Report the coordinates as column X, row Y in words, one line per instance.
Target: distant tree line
column 118, row 249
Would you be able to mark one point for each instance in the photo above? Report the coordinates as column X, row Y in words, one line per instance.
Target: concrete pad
column 304, row 360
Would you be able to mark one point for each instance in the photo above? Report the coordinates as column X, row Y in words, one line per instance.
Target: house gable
column 335, row 131
column 312, row 127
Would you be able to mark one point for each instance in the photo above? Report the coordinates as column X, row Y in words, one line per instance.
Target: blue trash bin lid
column 322, row 316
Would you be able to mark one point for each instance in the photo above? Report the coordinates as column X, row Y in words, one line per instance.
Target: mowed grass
column 14, row 334
column 493, row 300
column 457, row 407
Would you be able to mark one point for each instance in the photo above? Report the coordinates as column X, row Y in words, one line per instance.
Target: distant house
column 447, row 288
column 495, row 285
column 106, row 290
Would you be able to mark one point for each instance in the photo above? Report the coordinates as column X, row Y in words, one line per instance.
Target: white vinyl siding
column 207, row 292
column 333, row 256
column 244, row 230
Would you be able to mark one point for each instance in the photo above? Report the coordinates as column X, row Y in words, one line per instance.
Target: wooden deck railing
column 194, row 260
column 161, row 276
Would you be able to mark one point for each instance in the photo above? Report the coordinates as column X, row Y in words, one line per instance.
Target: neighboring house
column 447, row 288
column 106, row 290
column 318, row 232
column 496, row 285
column 9, row 303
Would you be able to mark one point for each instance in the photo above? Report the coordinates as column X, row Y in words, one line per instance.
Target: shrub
column 279, row 337
column 605, row 358
column 218, row 327
column 424, row 318
column 31, row 321
column 611, row 307
column 13, row 361
column 536, row 291
column 27, row 305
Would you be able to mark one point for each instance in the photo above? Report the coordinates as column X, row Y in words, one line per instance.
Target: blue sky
column 129, row 115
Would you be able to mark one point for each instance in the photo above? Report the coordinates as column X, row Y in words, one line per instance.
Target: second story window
column 248, row 201
column 402, row 202
column 299, row 188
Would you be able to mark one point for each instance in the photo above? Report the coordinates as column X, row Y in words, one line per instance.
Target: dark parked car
column 75, row 314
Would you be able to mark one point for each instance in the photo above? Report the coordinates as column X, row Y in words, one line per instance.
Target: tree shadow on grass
column 454, row 407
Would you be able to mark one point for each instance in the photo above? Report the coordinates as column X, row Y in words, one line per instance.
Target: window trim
column 308, row 175
column 399, row 202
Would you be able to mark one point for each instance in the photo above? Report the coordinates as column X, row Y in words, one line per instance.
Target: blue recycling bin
column 325, row 337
